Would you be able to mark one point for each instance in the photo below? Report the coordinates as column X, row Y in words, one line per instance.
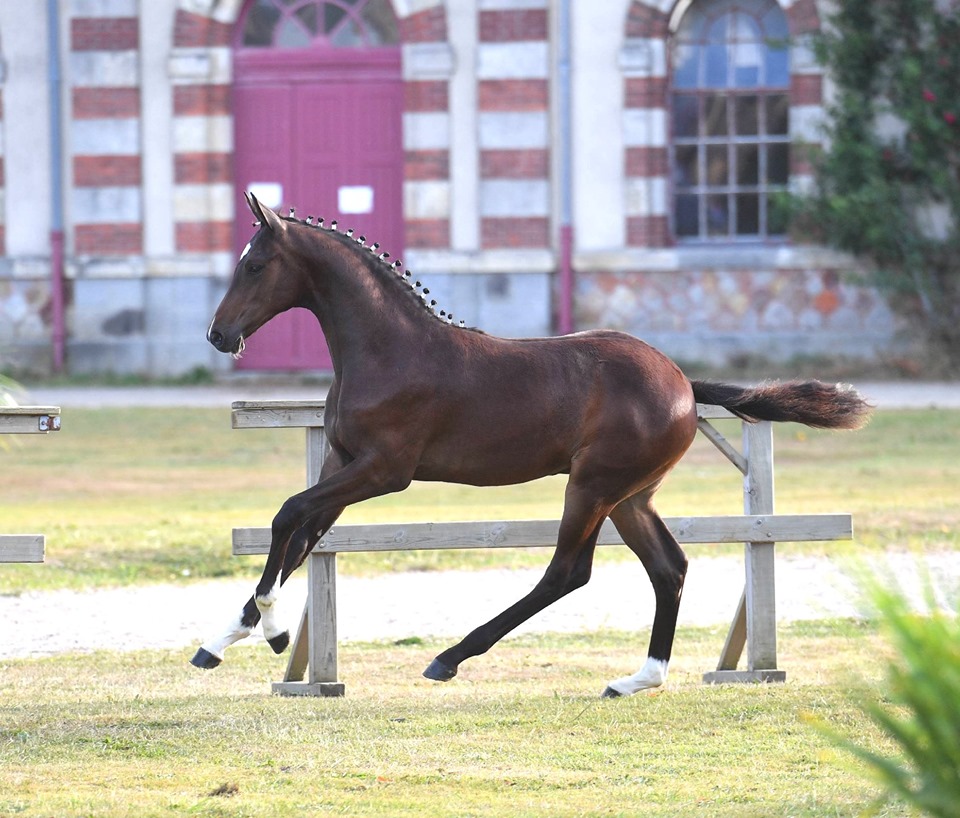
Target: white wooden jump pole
column 26, row 420
column 312, row 668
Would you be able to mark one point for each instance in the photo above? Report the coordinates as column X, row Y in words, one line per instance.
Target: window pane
column 718, row 172
column 777, row 64
column 685, row 115
column 745, row 113
column 381, row 23
column 348, row 35
column 777, row 210
column 748, row 214
column 715, row 111
column 687, row 215
column 718, row 216
column 332, row 16
column 685, row 171
column 774, row 23
column 748, row 164
column 778, row 164
column 685, row 64
column 716, row 72
column 778, row 115
column 290, row 34
column 261, row 20
column 308, row 16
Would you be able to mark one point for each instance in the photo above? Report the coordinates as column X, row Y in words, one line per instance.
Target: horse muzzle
column 220, row 342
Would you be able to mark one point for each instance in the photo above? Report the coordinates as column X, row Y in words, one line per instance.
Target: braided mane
column 379, row 263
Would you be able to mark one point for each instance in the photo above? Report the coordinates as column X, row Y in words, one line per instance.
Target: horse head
column 261, row 284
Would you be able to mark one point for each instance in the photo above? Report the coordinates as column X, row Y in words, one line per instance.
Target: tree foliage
column 888, row 183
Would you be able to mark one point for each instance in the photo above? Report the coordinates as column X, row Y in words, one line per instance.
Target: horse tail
column 812, row 403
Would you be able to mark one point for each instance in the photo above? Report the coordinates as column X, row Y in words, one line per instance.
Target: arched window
column 308, row 23
column 729, row 116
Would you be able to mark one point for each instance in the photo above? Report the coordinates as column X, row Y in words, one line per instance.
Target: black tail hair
column 813, row 403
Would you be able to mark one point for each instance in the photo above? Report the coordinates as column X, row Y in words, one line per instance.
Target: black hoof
column 279, row 642
column 610, row 693
column 205, row 659
column 439, row 672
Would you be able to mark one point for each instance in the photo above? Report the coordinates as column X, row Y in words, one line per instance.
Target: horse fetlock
column 652, row 674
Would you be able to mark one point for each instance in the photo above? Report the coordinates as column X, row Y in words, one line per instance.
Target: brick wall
column 106, row 199
column 513, row 98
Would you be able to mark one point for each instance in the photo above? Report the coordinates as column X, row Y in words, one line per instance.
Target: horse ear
column 263, row 214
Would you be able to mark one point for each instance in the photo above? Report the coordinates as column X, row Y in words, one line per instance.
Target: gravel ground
column 419, row 604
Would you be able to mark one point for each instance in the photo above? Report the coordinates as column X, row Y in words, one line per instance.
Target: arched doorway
column 318, row 103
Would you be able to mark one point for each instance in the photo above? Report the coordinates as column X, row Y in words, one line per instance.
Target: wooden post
column 755, row 621
column 315, row 658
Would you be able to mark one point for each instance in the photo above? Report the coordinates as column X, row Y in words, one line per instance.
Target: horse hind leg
column 666, row 565
column 568, row 570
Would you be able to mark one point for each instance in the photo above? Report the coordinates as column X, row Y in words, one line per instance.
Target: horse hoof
column 439, row 672
column 610, row 693
column 279, row 642
column 205, row 660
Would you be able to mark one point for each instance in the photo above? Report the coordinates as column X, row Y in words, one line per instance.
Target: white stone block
column 515, row 197
column 513, row 130
column 104, row 69
column 427, row 61
column 645, row 127
column 426, row 131
column 806, row 122
column 213, row 134
column 197, row 203
column 426, row 200
column 201, row 65
column 105, row 137
column 103, row 8
column 106, row 205
column 515, row 60
column 643, row 57
column 646, row 196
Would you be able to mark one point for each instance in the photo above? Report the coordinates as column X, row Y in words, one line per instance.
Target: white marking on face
column 234, row 632
column 268, row 613
column 652, row 674
column 245, row 251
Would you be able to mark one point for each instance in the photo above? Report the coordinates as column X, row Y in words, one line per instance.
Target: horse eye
column 254, row 268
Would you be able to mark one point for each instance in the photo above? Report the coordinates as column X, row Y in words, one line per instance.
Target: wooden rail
column 25, row 420
column 312, row 668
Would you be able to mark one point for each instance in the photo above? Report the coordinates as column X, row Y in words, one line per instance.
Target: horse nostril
column 215, row 338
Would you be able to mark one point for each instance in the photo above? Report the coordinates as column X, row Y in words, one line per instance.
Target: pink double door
column 320, row 131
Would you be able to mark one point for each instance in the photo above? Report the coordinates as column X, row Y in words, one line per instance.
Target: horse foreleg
column 568, row 570
column 666, row 565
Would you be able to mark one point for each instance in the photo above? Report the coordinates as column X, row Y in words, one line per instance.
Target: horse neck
column 365, row 313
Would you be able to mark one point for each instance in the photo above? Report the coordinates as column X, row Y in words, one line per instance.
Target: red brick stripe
column 203, row 168
column 204, row 237
column 108, row 239
column 646, row 161
column 201, row 100
column 428, row 26
column 645, row 21
column 106, row 171
column 104, row 34
column 420, row 165
column 106, row 103
column 425, row 95
column 806, row 89
column 427, row 234
column 648, row 231
column 528, row 163
column 645, row 92
column 192, row 30
column 514, row 232
column 511, row 25
column 513, row 95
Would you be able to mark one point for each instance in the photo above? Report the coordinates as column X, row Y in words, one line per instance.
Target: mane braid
column 379, row 264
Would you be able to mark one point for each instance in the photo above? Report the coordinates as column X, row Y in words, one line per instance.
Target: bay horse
column 416, row 396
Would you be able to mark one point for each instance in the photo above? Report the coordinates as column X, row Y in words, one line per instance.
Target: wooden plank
column 299, row 652
column 322, row 617
column 276, row 414
column 723, row 445
column 21, row 547
column 543, row 533
column 710, row 412
column 719, row 677
column 736, row 638
column 29, row 420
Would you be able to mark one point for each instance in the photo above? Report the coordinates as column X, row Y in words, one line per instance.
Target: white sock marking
column 268, row 614
column 652, row 674
column 234, row 632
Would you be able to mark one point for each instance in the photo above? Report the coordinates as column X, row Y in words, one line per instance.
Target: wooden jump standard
column 312, row 667
column 26, row 420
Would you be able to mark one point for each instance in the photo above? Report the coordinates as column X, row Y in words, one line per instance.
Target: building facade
column 545, row 165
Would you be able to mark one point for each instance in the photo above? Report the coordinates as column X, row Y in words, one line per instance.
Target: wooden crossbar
column 312, row 669
column 26, row 420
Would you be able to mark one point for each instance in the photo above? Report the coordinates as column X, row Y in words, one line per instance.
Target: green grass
column 148, row 495
column 520, row 732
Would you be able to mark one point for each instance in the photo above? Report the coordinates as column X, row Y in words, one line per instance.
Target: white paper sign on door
column 355, row 199
column 267, row 193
